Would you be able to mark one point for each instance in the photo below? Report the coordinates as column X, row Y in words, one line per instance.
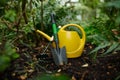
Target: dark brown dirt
column 81, row 68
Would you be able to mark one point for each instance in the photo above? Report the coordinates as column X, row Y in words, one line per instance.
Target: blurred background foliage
column 19, row 19
column 7, row 54
column 53, row 76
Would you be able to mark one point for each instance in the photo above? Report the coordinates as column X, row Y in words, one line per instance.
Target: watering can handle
column 75, row 25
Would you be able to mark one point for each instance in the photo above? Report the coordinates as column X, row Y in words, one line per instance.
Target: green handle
column 54, row 27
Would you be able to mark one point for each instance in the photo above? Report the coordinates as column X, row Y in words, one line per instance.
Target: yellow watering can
column 70, row 39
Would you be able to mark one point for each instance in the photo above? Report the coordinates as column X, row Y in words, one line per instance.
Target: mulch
column 33, row 62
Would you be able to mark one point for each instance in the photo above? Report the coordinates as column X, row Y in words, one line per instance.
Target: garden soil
column 33, row 61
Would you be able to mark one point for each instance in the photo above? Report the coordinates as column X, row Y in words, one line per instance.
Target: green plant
column 10, row 15
column 56, row 76
column 118, row 77
column 100, row 33
column 104, row 31
column 7, row 54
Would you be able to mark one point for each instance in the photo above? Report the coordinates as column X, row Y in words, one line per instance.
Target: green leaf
column 52, row 77
column 10, row 15
column 3, row 2
column 2, row 26
column 117, row 48
column 9, row 54
column 118, row 77
column 62, row 77
column 9, row 51
column 15, row 55
column 4, row 62
column 118, row 20
column 100, row 47
column 114, row 4
column 112, row 47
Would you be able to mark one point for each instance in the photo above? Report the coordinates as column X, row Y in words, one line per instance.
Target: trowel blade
column 59, row 56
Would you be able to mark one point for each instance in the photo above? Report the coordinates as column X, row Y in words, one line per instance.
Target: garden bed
column 81, row 68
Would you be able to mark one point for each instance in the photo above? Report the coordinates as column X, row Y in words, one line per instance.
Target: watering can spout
column 45, row 35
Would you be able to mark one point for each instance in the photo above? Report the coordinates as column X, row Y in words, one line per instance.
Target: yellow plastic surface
column 72, row 41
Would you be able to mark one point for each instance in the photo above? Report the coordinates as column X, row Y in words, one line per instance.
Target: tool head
column 59, row 56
